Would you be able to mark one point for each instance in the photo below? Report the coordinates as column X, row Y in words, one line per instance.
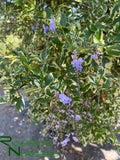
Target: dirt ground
column 10, row 125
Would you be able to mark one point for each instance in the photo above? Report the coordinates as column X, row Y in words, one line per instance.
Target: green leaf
column 116, row 131
column 115, row 9
column 48, row 12
column 48, row 91
column 92, row 27
column 37, row 71
column 107, row 84
column 113, row 50
column 116, row 39
column 104, row 6
column 29, row 90
column 98, row 37
column 99, row 26
column 75, row 93
column 37, row 83
column 43, row 55
column 94, row 65
column 88, row 59
column 56, row 41
column 48, row 79
column 20, row 103
column 93, row 80
column 23, row 58
column 63, row 20
column 44, row 100
column 2, row 100
column 105, row 60
column 77, row 98
column 85, row 88
column 87, row 34
column 101, row 72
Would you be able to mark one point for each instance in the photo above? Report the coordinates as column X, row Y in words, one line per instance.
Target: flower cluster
column 21, row 123
column 63, row 98
column 77, row 63
column 56, row 124
column 64, row 143
column 77, row 117
column 33, row 27
column 51, row 27
column 46, row 28
column 67, row 139
column 99, row 55
column 96, row 55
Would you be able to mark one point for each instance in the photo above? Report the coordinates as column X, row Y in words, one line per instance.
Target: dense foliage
column 68, row 64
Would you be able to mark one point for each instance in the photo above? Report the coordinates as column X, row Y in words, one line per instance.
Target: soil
column 10, row 126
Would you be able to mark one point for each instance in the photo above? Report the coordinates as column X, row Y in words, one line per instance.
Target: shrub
column 69, row 72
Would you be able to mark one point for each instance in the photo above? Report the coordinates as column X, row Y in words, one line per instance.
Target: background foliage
column 39, row 64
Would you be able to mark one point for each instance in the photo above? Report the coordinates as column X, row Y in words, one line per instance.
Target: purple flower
column 70, row 110
column 85, row 102
column 48, row 127
column 62, row 110
column 74, row 63
column 67, row 139
column 77, row 117
column 32, row 27
column 64, row 143
column 37, row 24
column 79, row 68
column 64, row 99
column 94, row 56
column 52, row 27
column 57, row 126
column 53, row 116
column 75, row 139
column 47, row 119
column 58, row 144
column 43, row 134
column 20, row 123
column 84, row 112
column 73, row 57
column 45, row 28
column 89, row 115
column 80, row 61
column 56, row 94
column 91, row 120
column 52, row 123
column 75, row 52
column 52, row 20
column 64, row 121
column 77, row 64
column 55, row 138
column 18, row 131
column 72, row 116
column 99, row 53
column 68, row 135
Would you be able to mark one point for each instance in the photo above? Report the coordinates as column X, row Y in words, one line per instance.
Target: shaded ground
column 10, row 126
